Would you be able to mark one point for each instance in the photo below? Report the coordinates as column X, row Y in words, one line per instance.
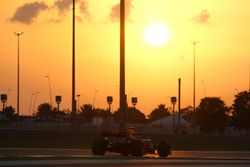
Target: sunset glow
column 158, row 51
column 157, row 34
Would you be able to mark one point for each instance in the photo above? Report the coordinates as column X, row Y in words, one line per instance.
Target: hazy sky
column 152, row 72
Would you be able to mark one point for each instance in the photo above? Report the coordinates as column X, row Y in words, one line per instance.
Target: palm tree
column 241, row 110
column 211, row 115
column 160, row 112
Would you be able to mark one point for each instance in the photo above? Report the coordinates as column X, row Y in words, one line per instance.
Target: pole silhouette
column 249, row 76
column 34, row 103
column 73, row 64
column 31, row 100
column 173, row 101
column 78, row 102
column 94, row 98
column 194, row 45
column 123, row 98
column 18, row 33
column 179, row 102
column 50, row 92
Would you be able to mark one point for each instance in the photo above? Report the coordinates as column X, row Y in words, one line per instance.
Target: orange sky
column 152, row 72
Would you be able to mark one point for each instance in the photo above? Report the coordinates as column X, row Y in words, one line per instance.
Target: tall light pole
column 249, row 75
column 18, row 33
column 34, row 105
column 31, row 100
column 134, row 101
column 78, row 102
column 50, row 92
column 4, row 100
column 179, row 102
column 58, row 101
column 173, row 101
column 194, row 44
column 73, row 64
column 94, row 98
column 123, row 98
column 109, row 101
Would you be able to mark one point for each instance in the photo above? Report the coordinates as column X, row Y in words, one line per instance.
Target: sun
column 157, row 34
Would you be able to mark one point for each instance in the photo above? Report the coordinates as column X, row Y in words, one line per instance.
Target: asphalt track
column 83, row 157
column 48, row 152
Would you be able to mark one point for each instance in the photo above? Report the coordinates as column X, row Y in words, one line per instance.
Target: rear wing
column 115, row 134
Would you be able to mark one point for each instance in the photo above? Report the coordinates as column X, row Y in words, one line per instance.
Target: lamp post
column 194, row 45
column 179, row 102
column 78, row 102
column 4, row 100
column 50, row 92
column 173, row 101
column 123, row 97
column 18, row 33
column 109, row 101
column 31, row 99
column 249, row 75
column 58, row 101
column 134, row 101
column 34, row 103
column 73, row 64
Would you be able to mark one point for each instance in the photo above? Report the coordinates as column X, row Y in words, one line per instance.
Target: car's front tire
column 99, row 147
column 163, row 149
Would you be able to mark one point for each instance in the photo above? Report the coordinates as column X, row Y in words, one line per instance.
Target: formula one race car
column 126, row 143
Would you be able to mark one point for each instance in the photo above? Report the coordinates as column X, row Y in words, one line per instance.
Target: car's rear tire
column 163, row 149
column 99, row 147
column 124, row 149
column 137, row 148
